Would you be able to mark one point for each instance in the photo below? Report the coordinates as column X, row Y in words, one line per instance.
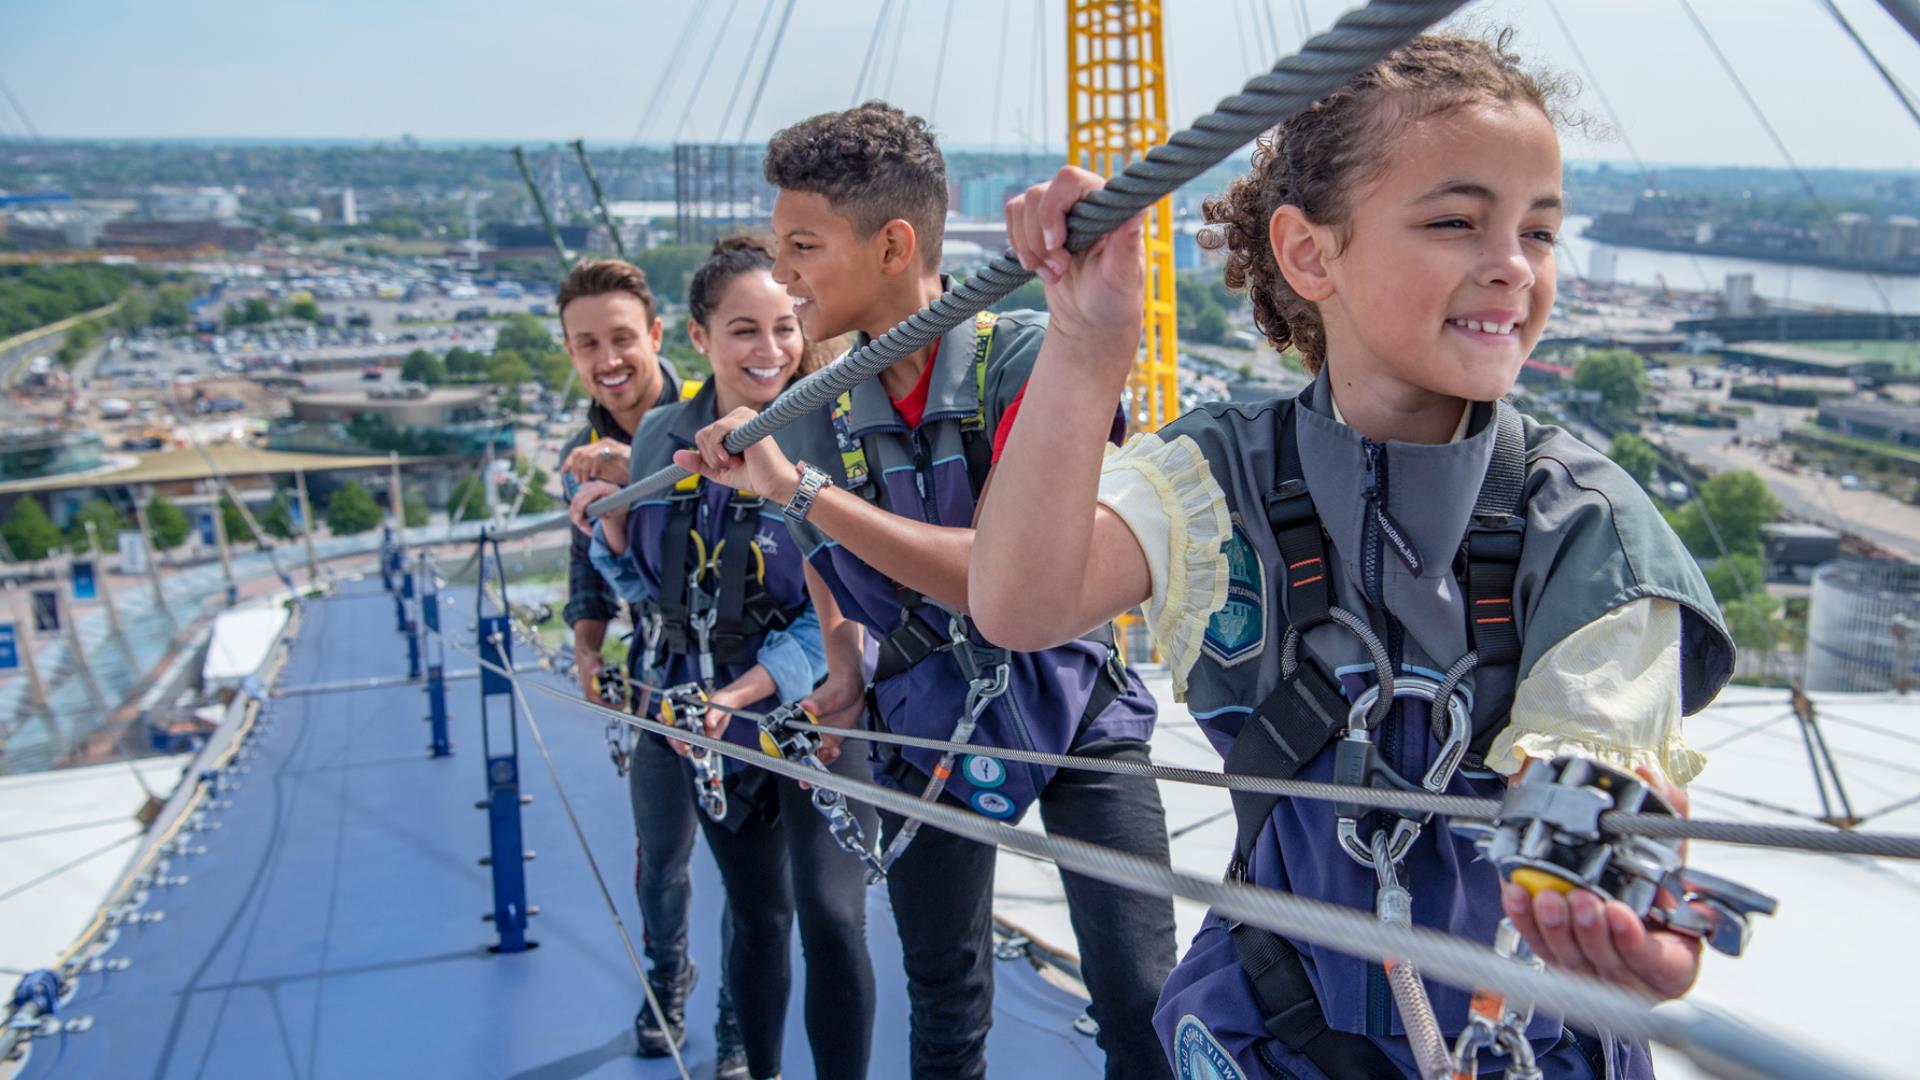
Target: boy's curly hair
column 873, row 163
column 1316, row 161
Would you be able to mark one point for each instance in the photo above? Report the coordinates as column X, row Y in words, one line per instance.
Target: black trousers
column 942, row 894
column 783, row 861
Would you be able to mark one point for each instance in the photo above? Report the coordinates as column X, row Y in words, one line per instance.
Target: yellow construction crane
column 1116, row 112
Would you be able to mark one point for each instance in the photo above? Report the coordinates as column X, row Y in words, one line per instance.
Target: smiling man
column 611, row 326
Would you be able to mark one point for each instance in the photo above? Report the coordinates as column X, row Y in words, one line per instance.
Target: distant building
column 189, row 204
column 1804, row 360
column 337, row 207
column 1881, row 421
column 35, row 454
column 457, row 423
column 1739, row 295
column 984, row 198
column 1795, row 549
column 1603, row 265
column 180, row 234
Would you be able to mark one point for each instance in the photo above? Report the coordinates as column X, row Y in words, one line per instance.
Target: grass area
column 387, row 245
column 1903, row 355
column 1870, row 447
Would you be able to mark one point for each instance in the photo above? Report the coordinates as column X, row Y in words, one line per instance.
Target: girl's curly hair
column 1316, row 160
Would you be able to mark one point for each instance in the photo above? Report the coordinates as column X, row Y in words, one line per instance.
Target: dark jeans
column 661, row 790
column 783, row 861
column 942, row 894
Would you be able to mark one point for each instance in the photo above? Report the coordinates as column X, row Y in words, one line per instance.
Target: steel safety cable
column 1826, row 841
column 1358, row 41
column 873, row 48
column 580, row 834
column 1716, row 1043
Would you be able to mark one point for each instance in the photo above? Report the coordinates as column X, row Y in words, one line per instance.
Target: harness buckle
column 685, row 706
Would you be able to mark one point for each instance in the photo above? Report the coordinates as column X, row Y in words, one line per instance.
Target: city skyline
column 452, row 73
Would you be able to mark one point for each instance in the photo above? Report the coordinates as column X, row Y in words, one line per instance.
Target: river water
column 1777, row 282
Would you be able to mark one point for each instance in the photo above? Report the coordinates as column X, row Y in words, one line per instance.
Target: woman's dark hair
column 1317, row 160
column 741, row 253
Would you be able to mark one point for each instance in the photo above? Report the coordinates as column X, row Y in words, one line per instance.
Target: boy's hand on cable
column 763, row 469
column 1579, row 932
column 589, row 493
column 1096, row 296
column 839, row 698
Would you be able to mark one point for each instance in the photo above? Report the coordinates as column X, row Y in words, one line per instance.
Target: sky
column 450, row 70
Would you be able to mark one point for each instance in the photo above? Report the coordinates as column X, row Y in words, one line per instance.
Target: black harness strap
column 729, row 629
column 675, row 575
column 1293, row 1016
column 1490, row 559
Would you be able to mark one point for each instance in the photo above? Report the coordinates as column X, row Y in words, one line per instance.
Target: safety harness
column 710, row 605
column 914, row 638
column 1307, row 711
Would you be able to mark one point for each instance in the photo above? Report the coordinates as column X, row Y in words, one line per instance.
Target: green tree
column 465, row 363
column 552, row 369
column 107, row 524
column 669, row 267
column 524, row 334
column 234, row 522
column 1755, row 622
column 1734, row 577
column 1207, row 325
column 536, row 500
column 416, row 512
column 422, row 366
column 1637, row 456
column 30, row 533
column 278, row 518
column 1616, row 375
column 507, row 368
column 352, row 510
column 168, row 523
column 1733, row 505
column 469, row 499
column 304, row 309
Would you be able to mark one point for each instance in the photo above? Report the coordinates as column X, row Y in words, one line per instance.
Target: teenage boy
column 610, row 324
column 883, row 505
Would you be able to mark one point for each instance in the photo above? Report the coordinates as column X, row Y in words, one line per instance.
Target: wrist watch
column 811, row 481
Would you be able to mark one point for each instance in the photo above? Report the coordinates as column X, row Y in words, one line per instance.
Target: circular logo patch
column 993, row 804
column 1199, row 1055
column 984, row 772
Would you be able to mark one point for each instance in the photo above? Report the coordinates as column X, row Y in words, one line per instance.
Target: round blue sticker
column 984, row 772
column 1199, row 1055
column 993, row 804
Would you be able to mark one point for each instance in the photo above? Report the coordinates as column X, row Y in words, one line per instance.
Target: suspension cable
column 873, row 49
column 1717, row 1043
column 1358, row 41
column 1893, row 84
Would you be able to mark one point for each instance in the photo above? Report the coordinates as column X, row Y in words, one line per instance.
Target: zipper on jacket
column 1373, row 585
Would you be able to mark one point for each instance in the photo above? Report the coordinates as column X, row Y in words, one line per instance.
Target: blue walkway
column 332, row 928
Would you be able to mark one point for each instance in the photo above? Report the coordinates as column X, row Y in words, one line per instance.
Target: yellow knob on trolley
column 767, row 744
column 1538, row 881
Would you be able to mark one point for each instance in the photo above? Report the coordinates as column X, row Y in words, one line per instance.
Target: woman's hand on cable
column 763, row 468
column 589, row 493
column 603, row 460
column 1097, row 296
column 840, row 697
column 1581, row 933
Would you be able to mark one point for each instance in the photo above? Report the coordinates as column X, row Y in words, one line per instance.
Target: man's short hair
column 872, row 163
column 597, row 277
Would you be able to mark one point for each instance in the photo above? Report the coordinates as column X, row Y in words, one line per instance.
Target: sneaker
column 671, row 992
column 729, row 1052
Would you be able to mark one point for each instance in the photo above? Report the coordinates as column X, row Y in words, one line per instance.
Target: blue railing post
column 505, row 853
column 436, row 664
column 409, row 625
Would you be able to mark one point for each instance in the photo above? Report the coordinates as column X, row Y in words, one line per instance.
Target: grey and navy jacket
column 1593, row 542
column 588, row 595
column 923, row 474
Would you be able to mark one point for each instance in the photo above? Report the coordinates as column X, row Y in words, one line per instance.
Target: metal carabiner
column 685, row 706
column 1360, row 720
column 791, row 734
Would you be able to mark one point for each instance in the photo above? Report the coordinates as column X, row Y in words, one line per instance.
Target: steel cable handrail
column 1358, row 41
column 1716, row 1043
column 1799, row 838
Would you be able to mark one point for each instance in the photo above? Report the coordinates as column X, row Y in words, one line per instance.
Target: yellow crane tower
column 1116, row 112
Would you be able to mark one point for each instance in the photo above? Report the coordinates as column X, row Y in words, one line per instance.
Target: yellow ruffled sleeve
column 1609, row 691
column 1168, row 499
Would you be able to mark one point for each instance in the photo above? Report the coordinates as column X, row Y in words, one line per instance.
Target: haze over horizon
column 445, row 72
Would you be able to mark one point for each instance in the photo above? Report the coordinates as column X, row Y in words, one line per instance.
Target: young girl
column 1397, row 518
column 718, row 577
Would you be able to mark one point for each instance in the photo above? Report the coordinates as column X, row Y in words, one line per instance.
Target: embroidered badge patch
column 983, row 772
column 993, row 804
column 1199, row 1055
column 1239, row 629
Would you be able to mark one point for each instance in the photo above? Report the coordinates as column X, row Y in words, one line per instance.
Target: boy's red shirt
column 913, row 407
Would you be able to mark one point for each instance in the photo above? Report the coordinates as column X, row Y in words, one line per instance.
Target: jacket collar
column 952, row 391
column 697, row 412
